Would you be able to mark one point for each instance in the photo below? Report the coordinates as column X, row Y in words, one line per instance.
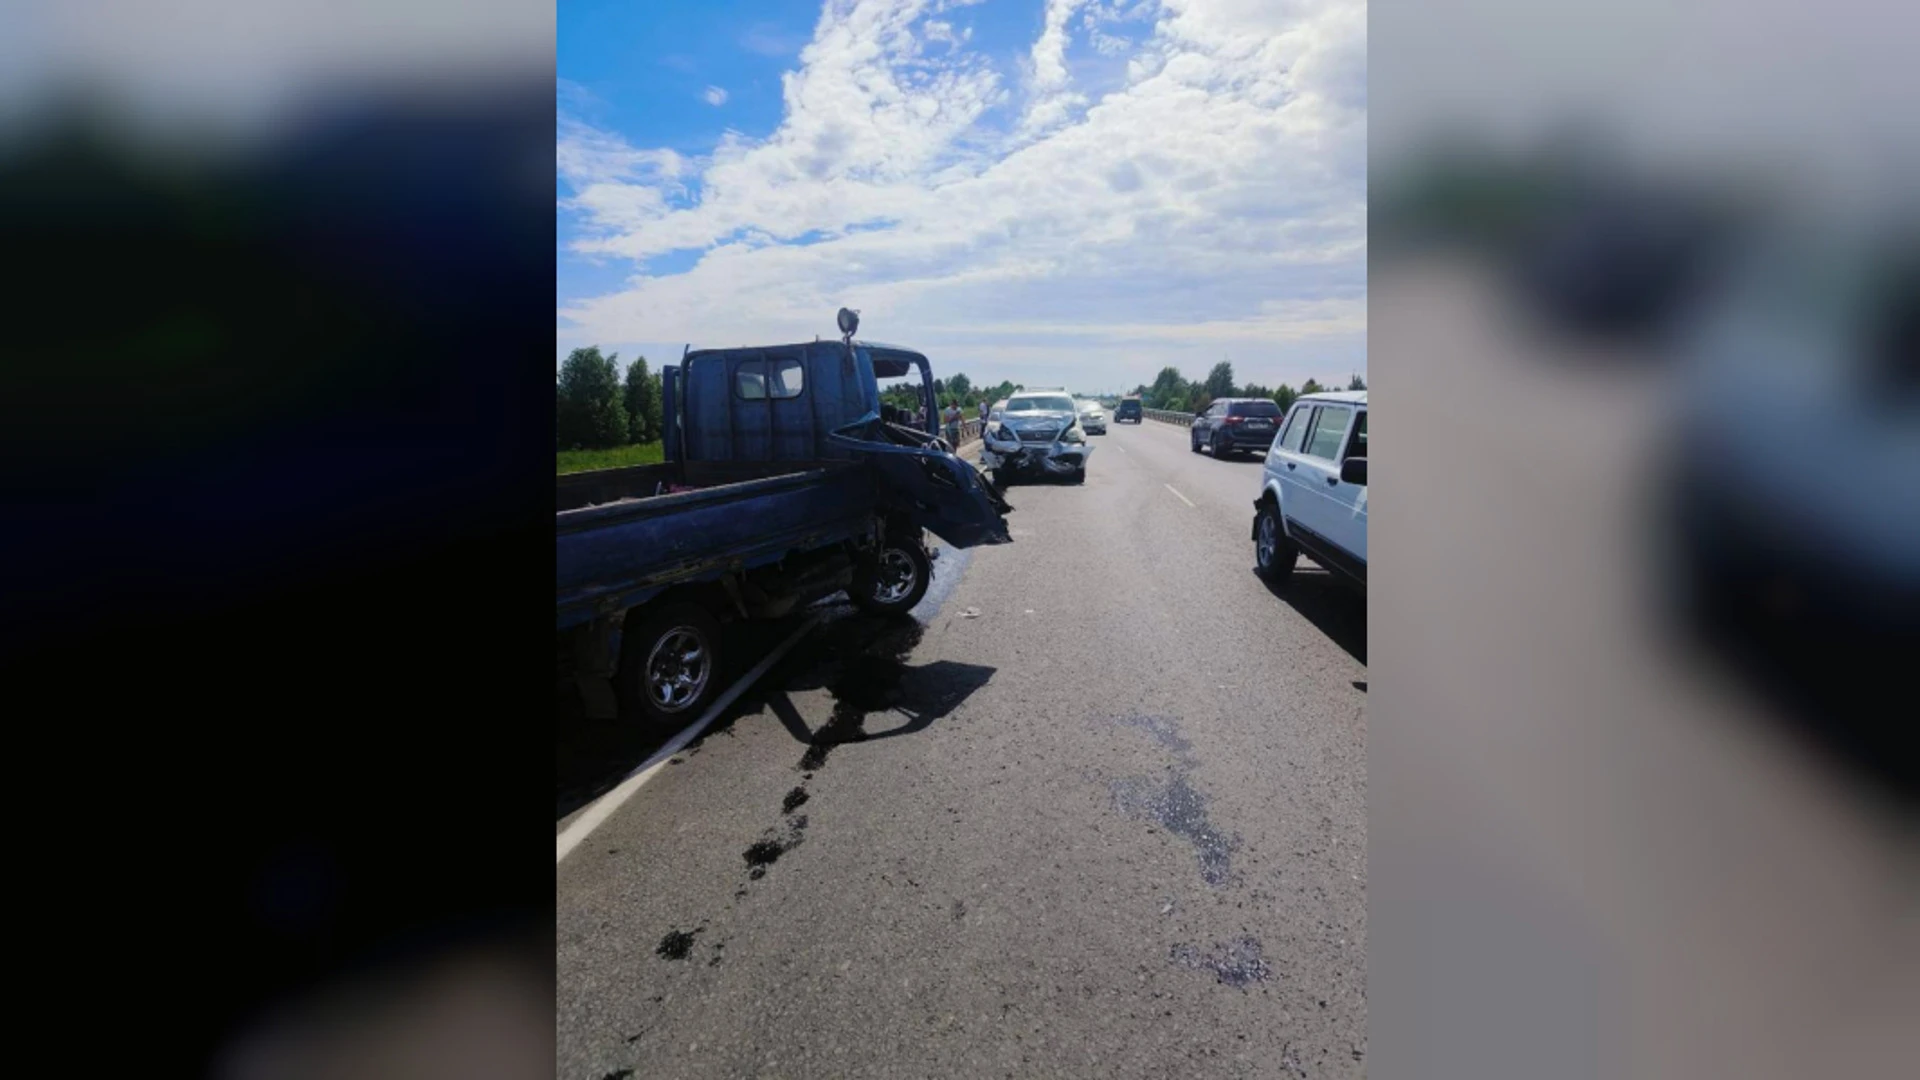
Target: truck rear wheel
column 670, row 665
column 895, row 581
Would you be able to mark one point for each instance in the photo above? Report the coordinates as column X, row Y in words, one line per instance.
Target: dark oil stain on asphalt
column 764, row 852
column 618, row 1074
column 1174, row 802
column 676, row 945
column 1234, row 964
column 959, row 910
column 794, row 800
column 845, row 727
column 767, row 850
column 1182, row 811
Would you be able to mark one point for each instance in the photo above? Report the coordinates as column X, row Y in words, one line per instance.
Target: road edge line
column 602, row 808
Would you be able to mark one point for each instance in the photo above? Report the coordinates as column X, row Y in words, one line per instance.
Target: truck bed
column 597, row 487
column 619, row 543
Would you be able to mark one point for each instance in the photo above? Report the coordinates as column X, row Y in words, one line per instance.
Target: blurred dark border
column 276, row 432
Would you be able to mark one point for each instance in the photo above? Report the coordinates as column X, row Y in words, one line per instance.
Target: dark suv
column 1129, row 410
column 1235, row 425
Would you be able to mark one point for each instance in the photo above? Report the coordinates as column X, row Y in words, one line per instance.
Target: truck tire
column 1274, row 556
column 1193, row 441
column 670, row 665
column 895, row 582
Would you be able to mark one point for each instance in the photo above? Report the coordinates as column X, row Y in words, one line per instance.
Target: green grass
column 571, row 461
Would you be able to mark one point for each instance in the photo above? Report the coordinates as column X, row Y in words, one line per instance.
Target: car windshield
column 1040, row 404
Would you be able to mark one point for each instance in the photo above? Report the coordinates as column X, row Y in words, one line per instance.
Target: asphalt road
column 1098, row 809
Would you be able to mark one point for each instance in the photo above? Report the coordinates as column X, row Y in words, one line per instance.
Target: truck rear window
column 1253, row 408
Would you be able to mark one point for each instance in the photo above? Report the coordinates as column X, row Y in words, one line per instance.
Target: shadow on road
column 1330, row 605
column 859, row 658
column 861, row 661
column 1254, row 458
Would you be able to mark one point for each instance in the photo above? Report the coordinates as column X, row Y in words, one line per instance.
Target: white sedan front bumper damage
column 1058, row 458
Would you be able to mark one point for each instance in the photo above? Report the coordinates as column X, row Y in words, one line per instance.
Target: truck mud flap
column 936, row 490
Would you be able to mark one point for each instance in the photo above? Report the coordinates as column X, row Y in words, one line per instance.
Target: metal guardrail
column 970, row 429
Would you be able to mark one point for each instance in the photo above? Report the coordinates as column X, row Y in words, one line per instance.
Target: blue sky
column 1067, row 191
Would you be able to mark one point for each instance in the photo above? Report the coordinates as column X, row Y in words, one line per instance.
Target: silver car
column 1038, row 434
column 1093, row 418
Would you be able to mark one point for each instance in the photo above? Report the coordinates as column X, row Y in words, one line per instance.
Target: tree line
column 1171, row 390
column 596, row 407
column 955, row 389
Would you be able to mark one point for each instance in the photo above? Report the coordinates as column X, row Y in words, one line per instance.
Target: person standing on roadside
column 953, row 422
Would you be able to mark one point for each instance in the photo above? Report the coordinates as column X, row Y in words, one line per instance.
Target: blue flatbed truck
column 786, row 480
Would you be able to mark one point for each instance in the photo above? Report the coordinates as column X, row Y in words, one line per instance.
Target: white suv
column 1313, row 492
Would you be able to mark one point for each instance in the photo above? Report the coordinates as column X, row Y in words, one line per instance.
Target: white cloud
column 1216, row 199
column 1051, row 102
column 587, row 156
column 715, row 95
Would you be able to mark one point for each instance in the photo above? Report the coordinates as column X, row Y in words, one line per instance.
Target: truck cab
column 786, row 480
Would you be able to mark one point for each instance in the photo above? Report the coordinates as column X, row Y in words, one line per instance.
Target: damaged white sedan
column 1037, row 434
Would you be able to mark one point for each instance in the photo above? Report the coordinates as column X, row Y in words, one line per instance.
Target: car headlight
column 1004, row 434
column 1073, row 435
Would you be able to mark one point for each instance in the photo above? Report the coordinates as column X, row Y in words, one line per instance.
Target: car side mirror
column 1354, row 471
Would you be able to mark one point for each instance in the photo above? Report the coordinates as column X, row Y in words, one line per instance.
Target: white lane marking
column 603, row 808
column 1120, row 448
column 1179, row 496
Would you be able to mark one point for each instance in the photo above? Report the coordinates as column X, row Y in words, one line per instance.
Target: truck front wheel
column 669, row 665
column 895, row 581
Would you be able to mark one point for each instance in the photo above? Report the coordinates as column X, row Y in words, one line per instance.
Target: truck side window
column 789, row 378
column 750, row 380
column 1357, row 446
